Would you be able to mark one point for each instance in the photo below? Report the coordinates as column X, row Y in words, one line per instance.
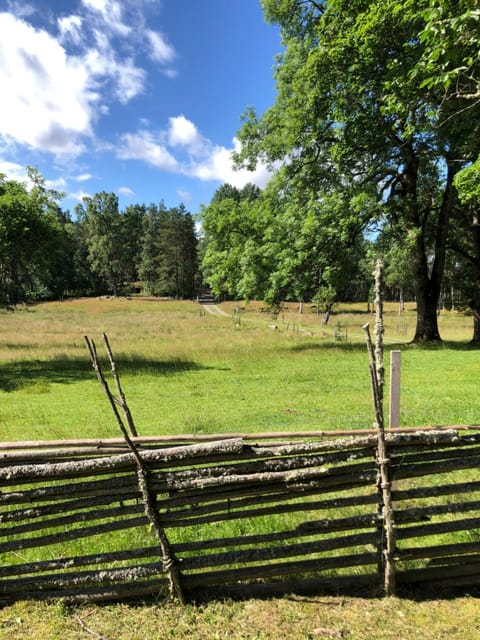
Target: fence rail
column 244, row 514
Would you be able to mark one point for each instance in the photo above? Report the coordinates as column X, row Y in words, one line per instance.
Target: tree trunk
column 428, row 277
column 427, row 320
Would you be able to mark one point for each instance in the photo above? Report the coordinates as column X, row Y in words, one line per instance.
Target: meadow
column 185, row 369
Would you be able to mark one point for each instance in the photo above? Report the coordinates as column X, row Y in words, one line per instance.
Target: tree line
column 373, row 143
column 373, row 139
column 44, row 253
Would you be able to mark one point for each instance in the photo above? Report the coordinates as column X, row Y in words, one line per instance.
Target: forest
column 47, row 254
column 373, row 145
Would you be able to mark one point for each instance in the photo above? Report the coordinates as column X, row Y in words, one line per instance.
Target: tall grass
column 187, row 371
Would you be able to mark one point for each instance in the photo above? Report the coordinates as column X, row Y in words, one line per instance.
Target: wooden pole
column 379, row 331
column 384, row 485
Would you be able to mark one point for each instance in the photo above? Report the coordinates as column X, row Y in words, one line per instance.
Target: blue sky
column 139, row 97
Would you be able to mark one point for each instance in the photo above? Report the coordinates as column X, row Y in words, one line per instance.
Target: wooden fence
column 240, row 515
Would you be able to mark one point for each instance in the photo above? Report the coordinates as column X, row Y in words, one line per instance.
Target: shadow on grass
column 66, row 370
column 355, row 347
column 348, row 347
column 311, row 590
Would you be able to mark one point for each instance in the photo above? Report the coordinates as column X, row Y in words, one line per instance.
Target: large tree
column 102, row 223
column 232, row 225
column 30, row 238
column 350, row 106
column 451, row 64
column 168, row 256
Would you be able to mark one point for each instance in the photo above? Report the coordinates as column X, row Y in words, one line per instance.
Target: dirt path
column 214, row 310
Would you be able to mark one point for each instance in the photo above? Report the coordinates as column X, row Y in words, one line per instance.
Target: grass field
column 188, row 370
column 185, row 370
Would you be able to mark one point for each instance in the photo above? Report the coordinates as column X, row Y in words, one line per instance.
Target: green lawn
column 185, row 370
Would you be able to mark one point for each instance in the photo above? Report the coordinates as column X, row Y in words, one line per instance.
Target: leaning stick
column 121, row 396
column 169, row 561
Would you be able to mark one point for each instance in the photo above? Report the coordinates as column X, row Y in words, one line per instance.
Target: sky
column 142, row 98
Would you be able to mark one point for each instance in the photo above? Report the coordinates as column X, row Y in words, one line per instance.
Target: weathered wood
column 82, row 594
column 340, row 524
column 243, row 556
column 280, row 569
column 111, row 464
column 71, row 518
column 121, row 400
column 234, row 505
column 80, row 578
column 169, row 560
column 83, row 447
column 63, row 507
column 425, row 513
column 360, row 584
column 246, row 482
column 177, row 481
column 71, row 562
column 117, row 486
column 435, row 455
column 404, row 471
column 383, row 462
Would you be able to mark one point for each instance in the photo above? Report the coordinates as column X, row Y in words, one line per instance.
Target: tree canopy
column 45, row 254
column 355, row 112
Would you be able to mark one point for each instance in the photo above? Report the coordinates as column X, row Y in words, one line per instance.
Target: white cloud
column 126, row 191
column 218, row 165
column 83, row 177
column 13, row 171
column 144, row 146
column 58, row 184
column 184, row 196
column 46, row 102
column 182, row 132
column 21, row 9
column 55, row 86
column 182, row 149
column 70, row 29
column 130, row 81
column 111, row 12
column 160, row 51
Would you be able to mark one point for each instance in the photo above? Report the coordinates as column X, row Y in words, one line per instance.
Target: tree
column 131, row 231
column 168, row 259
column 178, row 254
column 231, row 225
column 30, row 233
column 150, row 253
column 101, row 220
column 468, row 245
column 451, row 63
column 349, row 108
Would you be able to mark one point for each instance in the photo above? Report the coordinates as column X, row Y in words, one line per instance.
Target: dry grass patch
column 295, row 618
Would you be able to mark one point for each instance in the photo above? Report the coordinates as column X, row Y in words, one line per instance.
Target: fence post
column 395, row 374
column 384, row 484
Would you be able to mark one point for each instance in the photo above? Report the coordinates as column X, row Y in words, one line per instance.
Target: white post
column 395, row 370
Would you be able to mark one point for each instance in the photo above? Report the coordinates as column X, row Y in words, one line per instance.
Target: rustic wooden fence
column 246, row 514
